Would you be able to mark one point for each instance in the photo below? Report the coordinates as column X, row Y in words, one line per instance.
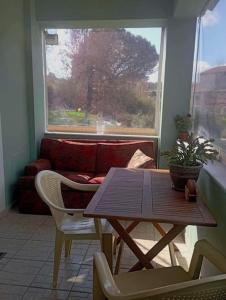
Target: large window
column 209, row 97
column 103, row 81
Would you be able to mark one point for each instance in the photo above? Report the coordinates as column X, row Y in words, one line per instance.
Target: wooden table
column 145, row 196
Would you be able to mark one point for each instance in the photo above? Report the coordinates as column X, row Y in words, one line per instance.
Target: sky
column 212, row 42
column 153, row 35
column 54, row 64
column 213, row 37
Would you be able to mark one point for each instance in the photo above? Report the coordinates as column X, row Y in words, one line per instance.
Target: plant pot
column 183, row 135
column 181, row 174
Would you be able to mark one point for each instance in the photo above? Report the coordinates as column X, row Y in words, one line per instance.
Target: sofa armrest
column 36, row 166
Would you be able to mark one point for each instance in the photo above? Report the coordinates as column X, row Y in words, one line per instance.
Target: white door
column 2, row 181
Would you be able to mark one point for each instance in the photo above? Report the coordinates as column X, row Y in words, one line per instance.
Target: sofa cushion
column 118, row 155
column 73, row 156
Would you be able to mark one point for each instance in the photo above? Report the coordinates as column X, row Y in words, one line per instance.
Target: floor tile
column 26, row 270
column 11, row 292
column 83, row 281
column 66, row 269
column 45, row 294
column 36, row 252
column 45, row 281
column 24, row 267
column 19, row 272
column 79, row 295
column 15, row 279
column 66, row 277
column 11, row 246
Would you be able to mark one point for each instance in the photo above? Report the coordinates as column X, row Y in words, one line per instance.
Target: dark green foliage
column 193, row 152
column 183, row 123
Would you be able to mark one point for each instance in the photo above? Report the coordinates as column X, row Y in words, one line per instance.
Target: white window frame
column 114, row 24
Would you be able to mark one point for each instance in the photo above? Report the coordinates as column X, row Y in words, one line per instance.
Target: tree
column 110, row 71
column 109, row 63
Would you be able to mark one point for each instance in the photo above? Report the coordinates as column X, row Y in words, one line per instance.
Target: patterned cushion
column 75, row 176
column 98, row 179
column 139, row 160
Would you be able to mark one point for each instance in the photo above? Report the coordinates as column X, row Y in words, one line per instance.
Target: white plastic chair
column 70, row 223
column 171, row 283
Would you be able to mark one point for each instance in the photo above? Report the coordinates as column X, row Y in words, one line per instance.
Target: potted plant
column 186, row 159
column 183, row 125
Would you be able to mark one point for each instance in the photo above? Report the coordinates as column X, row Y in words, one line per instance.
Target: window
column 209, row 97
column 103, row 81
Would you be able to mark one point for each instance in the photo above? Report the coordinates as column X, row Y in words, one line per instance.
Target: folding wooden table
column 142, row 195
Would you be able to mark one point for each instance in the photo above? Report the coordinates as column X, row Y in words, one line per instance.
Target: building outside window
column 209, row 85
column 103, row 81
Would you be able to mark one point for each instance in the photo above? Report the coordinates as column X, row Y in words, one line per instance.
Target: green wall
column 35, row 62
column 179, row 55
column 214, row 195
column 58, row 10
column 13, row 92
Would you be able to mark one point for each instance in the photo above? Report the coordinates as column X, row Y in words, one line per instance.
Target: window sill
column 96, row 136
column 218, row 172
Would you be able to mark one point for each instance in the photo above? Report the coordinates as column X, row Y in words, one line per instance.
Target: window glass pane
column 103, row 81
column 209, row 97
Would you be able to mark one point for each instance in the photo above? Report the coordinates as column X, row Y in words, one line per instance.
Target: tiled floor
column 26, row 269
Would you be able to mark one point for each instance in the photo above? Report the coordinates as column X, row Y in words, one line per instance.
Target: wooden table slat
column 145, row 195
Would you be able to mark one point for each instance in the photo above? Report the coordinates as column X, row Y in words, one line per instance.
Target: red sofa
column 84, row 161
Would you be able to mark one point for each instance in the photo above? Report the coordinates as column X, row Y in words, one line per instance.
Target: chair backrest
column 215, row 290
column 213, row 287
column 48, row 186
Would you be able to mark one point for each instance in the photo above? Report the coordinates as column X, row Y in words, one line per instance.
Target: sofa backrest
column 70, row 155
column 93, row 156
column 119, row 154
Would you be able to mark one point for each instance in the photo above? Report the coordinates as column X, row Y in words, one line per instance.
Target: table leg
column 163, row 232
column 162, row 243
column 172, row 246
column 118, row 241
column 130, row 228
column 144, row 262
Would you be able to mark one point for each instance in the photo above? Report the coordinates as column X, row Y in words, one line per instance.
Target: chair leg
column 97, row 291
column 57, row 256
column 67, row 247
column 119, row 256
column 172, row 254
column 107, row 248
column 114, row 245
column 98, row 228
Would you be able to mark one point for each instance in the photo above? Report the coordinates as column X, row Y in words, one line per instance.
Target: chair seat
column 149, row 279
column 77, row 224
